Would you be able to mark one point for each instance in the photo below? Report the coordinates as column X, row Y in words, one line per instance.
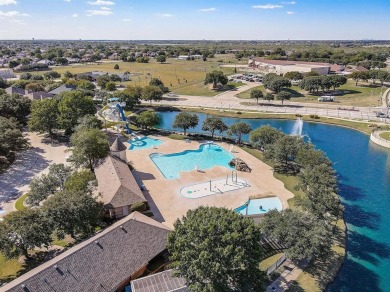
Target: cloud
column 207, row 9
column 17, row 21
column 289, row 3
column 105, row 8
column 75, row 15
column 267, row 6
column 67, row 0
column 101, row 2
column 99, row 12
column 8, row 2
column 12, row 14
column 126, row 19
column 290, row 12
column 167, row 15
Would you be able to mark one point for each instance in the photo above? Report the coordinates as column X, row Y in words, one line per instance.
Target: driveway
column 28, row 164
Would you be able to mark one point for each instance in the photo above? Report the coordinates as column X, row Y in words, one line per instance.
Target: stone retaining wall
column 378, row 140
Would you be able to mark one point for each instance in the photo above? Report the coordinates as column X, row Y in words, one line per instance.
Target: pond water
column 364, row 174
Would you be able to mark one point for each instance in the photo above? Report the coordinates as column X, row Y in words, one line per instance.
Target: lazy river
column 364, row 175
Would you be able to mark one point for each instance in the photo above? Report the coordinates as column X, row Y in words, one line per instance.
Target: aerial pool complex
column 206, row 157
column 260, row 206
column 144, row 143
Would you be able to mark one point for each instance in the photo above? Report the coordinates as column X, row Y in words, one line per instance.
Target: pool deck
column 164, row 195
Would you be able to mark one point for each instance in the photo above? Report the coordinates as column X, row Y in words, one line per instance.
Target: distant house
column 7, row 73
column 117, row 186
column 92, row 76
column 39, row 95
column 161, row 282
column 15, row 90
column 124, row 76
column 46, row 62
column 106, row 262
column 63, row 88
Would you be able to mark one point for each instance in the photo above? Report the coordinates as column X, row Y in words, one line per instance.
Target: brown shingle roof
column 288, row 62
column 116, row 183
column 117, row 146
column 100, row 263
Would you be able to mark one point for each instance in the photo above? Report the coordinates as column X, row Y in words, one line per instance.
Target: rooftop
column 101, row 263
column 160, row 282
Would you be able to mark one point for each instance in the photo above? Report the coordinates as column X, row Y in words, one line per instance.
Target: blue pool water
column 260, row 206
column 206, row 157
column 144, row 143
column 364, row 175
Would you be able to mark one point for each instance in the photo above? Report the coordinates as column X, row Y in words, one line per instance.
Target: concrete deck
column 164, row 195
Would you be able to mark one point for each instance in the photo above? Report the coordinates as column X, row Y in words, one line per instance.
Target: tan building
column 282, row 67
column 106, row 262
column 117, row 187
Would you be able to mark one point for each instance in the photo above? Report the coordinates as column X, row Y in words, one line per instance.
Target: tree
column 212, row 124
column 269, row 97
column 16, row 106
column 88, row 121
column 34, row 87
column 359, row 75
column 73, row 212
column 293, row 75
column 239, row 129
column 383, row 76
column 44, row 114
column 305, row 236
column 85, row 85
column 151, row 93
column 147, row 119
column 161, row 59
column 81, row 181
column 89, row 145
column 3, row 83
column 283, row 95
column 275, row 83
column 22, row 231
column 102, row 81
column 51, row 75
column 337, row 80
column 73, row 105
column 264, row 136
column 67, row 74
column 256, row 93
column 116, row 67
column 25, row 76
column 11, row 138
column 157, row 82
column 131, row 96
column 185, row 121
column 115, row 78
column 207, row 250
column 284, row 151
column 216, row 77
column 110, row 86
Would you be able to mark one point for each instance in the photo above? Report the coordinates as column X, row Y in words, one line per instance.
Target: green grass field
column 180, row 76
column 385, row 135
column 365, row 94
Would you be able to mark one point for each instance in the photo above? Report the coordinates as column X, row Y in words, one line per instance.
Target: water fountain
column 297, row 129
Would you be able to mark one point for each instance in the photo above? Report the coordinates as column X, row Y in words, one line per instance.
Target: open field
column 180, row 76
column 365, row 94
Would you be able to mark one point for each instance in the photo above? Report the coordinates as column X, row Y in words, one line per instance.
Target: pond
column 364, row 174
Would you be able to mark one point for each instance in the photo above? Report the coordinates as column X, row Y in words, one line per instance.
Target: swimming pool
column 144, row 143
column 260, row 206
column 206, row 157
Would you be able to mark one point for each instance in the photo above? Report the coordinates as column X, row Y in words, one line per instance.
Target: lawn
column 385, row 135
column 180, row 76
column 8, row 268
column 268, row 262
column 19, row 203
column 365, row 94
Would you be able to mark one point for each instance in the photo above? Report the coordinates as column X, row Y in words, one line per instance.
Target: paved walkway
column 28, row 164
column 289, row 275
column 228, row 101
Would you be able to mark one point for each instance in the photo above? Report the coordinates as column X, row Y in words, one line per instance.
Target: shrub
column 140, row 207
column 314, row 117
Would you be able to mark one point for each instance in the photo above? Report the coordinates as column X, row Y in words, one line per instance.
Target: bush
column 314, row 117
column 140, row 207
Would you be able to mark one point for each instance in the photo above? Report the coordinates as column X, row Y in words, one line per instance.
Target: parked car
column 380, row 115
column 326, row 98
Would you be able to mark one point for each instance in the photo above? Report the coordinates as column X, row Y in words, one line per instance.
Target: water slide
column 123, row 116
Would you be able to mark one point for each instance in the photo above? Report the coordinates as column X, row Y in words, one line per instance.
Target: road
column 229, row 101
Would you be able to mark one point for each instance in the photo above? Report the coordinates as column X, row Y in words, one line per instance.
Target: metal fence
column 276, row 265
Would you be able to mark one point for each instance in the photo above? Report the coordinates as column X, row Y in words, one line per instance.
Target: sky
column 195, row 19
